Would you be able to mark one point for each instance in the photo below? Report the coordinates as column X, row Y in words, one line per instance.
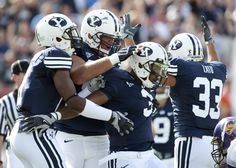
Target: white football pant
column 127, row 159
column 83, row 151
column 193, row 152
column 35, row 151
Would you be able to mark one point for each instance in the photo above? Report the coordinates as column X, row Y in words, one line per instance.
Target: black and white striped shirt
column 8, row 112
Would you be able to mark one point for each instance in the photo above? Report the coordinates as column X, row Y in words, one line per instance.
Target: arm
column 211, row 51
column 170, row 81
column 75, row 105
column 98, row 97
column 83, row 71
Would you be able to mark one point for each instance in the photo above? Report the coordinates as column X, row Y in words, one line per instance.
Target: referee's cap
column 19, row 66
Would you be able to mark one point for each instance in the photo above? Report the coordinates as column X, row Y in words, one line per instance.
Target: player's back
column 196, row 96
column 38, row 94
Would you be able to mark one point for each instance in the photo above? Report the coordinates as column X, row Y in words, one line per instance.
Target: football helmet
column 57, row 30
column 152, row 60
column 224, row 133
column 97, row 25
column 186, row 46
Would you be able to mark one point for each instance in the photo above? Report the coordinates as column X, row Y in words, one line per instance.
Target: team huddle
column 91, row 100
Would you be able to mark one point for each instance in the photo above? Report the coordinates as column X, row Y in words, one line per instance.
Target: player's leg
column 91, row 149
column 72, row 147
column 12, row 160
column 169, row 162
column 190, row 150
column 145, row 159
column 35, row 151
column 201, row 150
column 97, row 147
column 182, row 152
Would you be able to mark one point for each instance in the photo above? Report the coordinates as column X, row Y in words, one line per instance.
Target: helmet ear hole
column 140, row 65
column 58, row 39
column 89, row 36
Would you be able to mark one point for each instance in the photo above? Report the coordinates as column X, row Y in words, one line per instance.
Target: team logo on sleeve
column 176, row 45
column 57, row 22
column 146, row 51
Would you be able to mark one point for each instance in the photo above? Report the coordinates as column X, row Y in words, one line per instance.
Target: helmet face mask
column 218, row 153
column 98, row 24
column 151, row 64
column 186, row 46
column 224, row 133
column 57, row 30
column 109, row 45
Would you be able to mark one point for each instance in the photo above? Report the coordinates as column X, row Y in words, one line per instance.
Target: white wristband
column 94, row 111
column 114, row 59
column 56, row 115
column 84, row 93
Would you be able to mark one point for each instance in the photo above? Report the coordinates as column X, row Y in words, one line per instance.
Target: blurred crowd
column 160, row 19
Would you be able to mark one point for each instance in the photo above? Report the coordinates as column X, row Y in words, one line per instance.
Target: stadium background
column 160, row 19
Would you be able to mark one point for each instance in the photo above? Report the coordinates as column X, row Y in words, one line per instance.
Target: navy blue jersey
column 128, row 96
column 196, row 96
column 82, row 125
column 37, row 93
column 163, row 123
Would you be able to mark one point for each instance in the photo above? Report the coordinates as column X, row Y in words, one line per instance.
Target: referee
column 8, row 113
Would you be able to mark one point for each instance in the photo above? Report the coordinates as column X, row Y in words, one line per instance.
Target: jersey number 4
column 214, row 113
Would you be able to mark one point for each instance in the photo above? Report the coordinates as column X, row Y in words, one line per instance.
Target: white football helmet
column 57, row 30
column 186, row 46
column 98, row 24
column 152, row 60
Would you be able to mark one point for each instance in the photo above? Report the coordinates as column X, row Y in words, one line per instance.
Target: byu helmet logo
column 94, row 21
column 176, row 45
column 146, row 51
column 57, row 22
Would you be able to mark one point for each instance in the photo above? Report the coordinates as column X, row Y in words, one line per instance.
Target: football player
column 130, row 91
column 162, row 124
column 101, row 33
column 224, row 143
column 196, row 88
column 47, row 82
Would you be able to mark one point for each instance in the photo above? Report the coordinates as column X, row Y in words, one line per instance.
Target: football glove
column 206, row 30
column 126, row 28
column 122, row 54
column 122, row 124
column 38, row 122
column 96, row 83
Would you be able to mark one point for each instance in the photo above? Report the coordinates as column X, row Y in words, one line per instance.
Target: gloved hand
column 96, row 83
column 38, row 122
column 126, row 28
column 206, row 30
column 122, row 54
column 122, row 124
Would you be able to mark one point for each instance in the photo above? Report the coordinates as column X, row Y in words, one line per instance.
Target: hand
column 96, row 83
column 126, row 28
column 122, row 54
column 206, row 30
column 38, row 122
column 122, row 124
column 126, row 52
